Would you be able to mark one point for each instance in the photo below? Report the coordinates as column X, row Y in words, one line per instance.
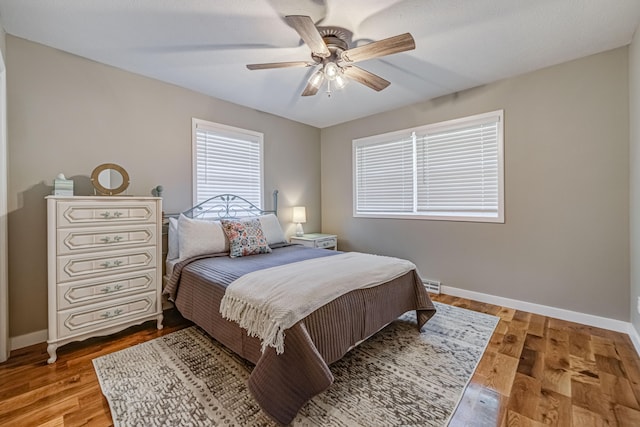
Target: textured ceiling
column 204, row 45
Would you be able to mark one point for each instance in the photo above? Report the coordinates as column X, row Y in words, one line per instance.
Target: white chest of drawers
column 104, row 271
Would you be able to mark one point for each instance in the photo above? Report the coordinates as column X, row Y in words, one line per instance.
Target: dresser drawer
column 116, row 286
column 99, row 316
column 101, row 238
column 97, row 213
column 317, row 240
column 96, row 264
column 329, row 242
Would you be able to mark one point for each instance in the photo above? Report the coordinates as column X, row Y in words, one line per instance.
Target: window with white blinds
column 451, row 171
column 226, row 160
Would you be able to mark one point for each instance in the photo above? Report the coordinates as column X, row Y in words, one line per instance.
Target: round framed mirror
column 110, row 179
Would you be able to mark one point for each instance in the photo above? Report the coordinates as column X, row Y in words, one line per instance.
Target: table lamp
column 299, row 217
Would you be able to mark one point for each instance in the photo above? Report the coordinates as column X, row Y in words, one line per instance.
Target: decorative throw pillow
column 173, row 251
column 200, row 237
column 245, row 237
column 272, row 229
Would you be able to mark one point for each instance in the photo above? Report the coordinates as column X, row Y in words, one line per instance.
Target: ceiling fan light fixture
column 341, row 81
column 331, row 70
column 330, row 51
column 317, row 79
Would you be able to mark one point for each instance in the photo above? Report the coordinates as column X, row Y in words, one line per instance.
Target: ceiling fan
column 330, row 50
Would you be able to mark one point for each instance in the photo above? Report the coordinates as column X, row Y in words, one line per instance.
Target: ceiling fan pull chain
column 328, row 88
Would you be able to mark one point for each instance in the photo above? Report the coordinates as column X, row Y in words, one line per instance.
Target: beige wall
column 68, row 114
column 565, row 242
column 566, row 237
column 634, row 155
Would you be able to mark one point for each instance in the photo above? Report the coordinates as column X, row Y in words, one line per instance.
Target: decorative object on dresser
column 109, row 179
column 299, row 217
column 317, row 240
column 103, row 266
column 62, row 186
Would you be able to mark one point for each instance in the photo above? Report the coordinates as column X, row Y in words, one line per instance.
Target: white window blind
column 385, row 176
column 451, row 170
column 226, row 160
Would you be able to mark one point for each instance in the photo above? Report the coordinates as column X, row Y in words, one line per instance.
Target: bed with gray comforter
column 283, row 383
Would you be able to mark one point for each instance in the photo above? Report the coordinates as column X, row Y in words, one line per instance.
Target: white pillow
column 271, row 229
column 173, row 251
column 199, row 237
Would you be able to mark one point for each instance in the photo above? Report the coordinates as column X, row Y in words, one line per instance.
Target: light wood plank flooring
column 536, row 371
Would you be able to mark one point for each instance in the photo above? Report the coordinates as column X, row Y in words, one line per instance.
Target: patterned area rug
column 398, row 377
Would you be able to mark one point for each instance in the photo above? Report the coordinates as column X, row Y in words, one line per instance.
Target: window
column 451, row 170
column 226, row 160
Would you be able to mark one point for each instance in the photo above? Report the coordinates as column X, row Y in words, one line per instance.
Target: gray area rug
column 398, row 377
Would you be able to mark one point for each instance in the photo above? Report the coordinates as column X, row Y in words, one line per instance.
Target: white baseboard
column 545, row 310
column 26, row 340
column 635, row 337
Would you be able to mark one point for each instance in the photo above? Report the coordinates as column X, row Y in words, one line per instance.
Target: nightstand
column 317, row 240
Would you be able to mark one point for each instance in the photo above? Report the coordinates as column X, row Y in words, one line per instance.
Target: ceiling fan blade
column 310, row 90
column 395, row 44
column 371, row 80
column 279, row 65
column 309, row 33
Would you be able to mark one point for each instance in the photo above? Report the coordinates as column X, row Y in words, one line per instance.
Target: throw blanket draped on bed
column 268, row 302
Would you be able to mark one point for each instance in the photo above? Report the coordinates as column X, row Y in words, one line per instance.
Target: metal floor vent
column 432, row 286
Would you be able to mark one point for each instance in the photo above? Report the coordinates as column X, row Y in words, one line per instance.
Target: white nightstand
column 317, row 240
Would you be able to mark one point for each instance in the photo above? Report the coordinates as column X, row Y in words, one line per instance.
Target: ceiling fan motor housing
column 335, row 43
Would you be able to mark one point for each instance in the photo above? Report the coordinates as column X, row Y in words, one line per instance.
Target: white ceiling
column 204, row 45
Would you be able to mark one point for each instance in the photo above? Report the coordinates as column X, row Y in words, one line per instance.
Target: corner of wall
column 634, row 179
column 4, row 281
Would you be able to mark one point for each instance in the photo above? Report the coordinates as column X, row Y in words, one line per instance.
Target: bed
column 285, row 376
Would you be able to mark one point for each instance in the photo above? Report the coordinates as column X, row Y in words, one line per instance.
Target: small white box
column 63, row 187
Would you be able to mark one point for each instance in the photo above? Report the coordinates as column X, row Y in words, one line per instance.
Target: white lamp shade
column 299, row 214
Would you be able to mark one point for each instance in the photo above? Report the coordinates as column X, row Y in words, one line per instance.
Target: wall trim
column 545, row 310
column 635, row 337
column 26, row 340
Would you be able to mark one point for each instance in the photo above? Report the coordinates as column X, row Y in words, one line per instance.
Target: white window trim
column 444, row 216
column 214, row 127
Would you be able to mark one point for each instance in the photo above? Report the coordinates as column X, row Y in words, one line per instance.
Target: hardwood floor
column 536, row 371
column 542, row 371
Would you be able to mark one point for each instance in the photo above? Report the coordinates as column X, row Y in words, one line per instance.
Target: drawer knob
column 108, row 264
column 107, row 239
column 108, row 214
column 108, row 314
column 108, row 289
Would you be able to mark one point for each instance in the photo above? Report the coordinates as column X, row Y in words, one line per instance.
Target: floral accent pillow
column 245, row 237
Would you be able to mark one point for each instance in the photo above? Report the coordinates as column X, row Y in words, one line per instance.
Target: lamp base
column 299, row 231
